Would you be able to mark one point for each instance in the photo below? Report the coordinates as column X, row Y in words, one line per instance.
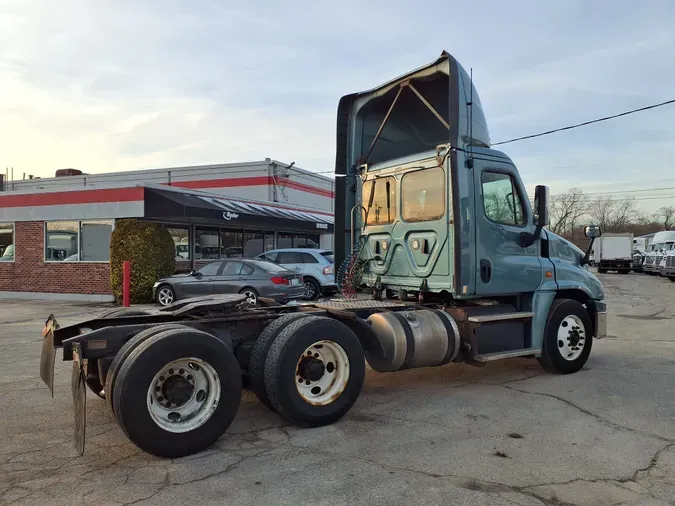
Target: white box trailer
column 614, row 252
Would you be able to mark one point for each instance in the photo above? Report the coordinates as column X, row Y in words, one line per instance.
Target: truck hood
column 569, row 274
column 563, row 249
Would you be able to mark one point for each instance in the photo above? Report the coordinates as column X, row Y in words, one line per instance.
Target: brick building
column 55, row 232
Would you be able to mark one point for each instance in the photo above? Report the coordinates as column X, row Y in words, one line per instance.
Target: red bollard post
column 126, row 284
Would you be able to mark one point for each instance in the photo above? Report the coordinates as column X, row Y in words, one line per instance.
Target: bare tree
column 567, row 209
column 666, row 216
column 613, row 215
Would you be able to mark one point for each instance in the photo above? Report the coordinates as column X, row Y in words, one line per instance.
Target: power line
column 598, row 120
column 620, row 191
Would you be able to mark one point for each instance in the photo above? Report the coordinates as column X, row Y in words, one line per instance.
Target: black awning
column 171, row 205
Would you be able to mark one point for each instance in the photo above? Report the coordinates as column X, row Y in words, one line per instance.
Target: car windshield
column 268, row 266
column 329, row 255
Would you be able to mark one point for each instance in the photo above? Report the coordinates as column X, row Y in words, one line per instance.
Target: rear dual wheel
column 175, row 391
column 309, row 369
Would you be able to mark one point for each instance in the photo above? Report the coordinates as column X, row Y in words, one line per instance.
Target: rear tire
column 568, row 337
column 251, row 295
column 211, row 367
column 256, row 366
column 312, row 289
column 602, row 271
column 323, row 359
column 126, row 350
column 166, row 295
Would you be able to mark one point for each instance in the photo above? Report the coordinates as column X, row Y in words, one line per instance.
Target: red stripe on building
column 73, row 197
column 111, row 195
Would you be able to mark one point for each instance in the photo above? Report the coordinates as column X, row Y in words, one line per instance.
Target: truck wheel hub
column 571, row 337
column 177, row 390
column 311, row 369
column 322, row 373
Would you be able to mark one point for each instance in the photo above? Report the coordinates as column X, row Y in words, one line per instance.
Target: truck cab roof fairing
column 448, row 89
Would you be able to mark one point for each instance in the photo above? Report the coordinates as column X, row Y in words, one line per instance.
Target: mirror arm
column 585, row 260
column 528, row 239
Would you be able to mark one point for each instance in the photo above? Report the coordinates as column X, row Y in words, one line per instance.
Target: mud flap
column 79, row 389
column 48, row 355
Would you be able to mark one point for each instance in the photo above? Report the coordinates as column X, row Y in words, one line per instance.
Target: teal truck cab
column 424, row 209
column 427, row 208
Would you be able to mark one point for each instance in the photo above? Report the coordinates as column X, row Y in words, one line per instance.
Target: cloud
column 126, row 84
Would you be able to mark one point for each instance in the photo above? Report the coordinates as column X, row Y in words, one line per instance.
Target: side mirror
column 541, row 218
column 592, row 231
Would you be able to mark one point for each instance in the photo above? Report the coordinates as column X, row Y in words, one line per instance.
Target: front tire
column 166, row 295
column 568, row 337
column 177, row 392
column 314, row 371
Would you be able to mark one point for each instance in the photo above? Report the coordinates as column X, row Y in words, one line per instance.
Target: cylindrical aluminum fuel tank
column 411, row 339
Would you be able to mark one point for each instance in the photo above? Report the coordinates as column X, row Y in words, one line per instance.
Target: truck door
column 503, row 213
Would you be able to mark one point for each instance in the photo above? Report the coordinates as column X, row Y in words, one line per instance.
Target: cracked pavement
column 504, row 434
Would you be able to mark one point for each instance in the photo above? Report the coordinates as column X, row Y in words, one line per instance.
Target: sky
column 132, row 84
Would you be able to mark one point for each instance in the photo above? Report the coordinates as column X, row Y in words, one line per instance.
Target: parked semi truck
column 654, row 263
column 429, row 212
column 614, row 252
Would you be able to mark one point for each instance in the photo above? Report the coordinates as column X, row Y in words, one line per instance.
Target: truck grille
column 658, row 259
column 649, row 260
column 670, row 261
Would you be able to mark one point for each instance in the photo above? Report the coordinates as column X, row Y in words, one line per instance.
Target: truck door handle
column 485, row 271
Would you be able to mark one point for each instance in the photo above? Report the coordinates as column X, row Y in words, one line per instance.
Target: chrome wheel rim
column 183, row 395
column 571, row 338
column 251, row 297
column 165, row 296
column 322, row 373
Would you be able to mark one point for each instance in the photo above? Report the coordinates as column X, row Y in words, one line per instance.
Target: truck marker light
column 549, row 274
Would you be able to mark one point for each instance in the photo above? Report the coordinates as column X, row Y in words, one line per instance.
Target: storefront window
column 207, row 239
column 269, row 241
column 6, row 242
column 253, row 244
column 61, row 241
column 284, row 240
column 95, row 240
column 313, row 241
column 231, row 243
column 299, row 240
column 181, row 238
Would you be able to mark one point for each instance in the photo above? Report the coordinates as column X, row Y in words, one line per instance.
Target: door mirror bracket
column 541, row 216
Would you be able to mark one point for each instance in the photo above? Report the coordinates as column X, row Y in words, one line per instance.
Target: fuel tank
column 411, row 339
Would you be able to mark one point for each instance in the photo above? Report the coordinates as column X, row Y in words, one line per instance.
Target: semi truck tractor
column 614, row 252
column 664, row 245
column 436, row 234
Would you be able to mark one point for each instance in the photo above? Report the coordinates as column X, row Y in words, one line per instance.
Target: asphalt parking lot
column 507, row 433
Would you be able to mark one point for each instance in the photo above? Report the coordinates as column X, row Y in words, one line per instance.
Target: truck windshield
column 382, row 211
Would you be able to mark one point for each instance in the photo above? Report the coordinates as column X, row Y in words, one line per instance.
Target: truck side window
column 423, row 195
column 501, row 201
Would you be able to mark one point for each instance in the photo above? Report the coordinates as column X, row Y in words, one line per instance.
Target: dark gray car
column 250, row 277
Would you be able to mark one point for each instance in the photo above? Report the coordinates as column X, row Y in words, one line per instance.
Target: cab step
column 498, row 317
column 489, row 357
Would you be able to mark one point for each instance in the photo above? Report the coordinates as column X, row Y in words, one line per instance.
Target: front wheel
column 166, row 295
column 568, row 337
column 314, row 371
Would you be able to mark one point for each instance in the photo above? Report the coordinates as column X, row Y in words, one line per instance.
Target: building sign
column 228, row 215
column 323, row 226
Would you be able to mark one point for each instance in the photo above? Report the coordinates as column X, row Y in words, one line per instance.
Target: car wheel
column 166, row 295
column 312, row 289
column 251, row 295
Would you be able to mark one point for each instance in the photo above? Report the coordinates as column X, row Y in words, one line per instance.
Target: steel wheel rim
column 183, row 395
column 165, row 296
column 309, row 290
column 571, row 338
column 251, row 297
column 322, row 373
